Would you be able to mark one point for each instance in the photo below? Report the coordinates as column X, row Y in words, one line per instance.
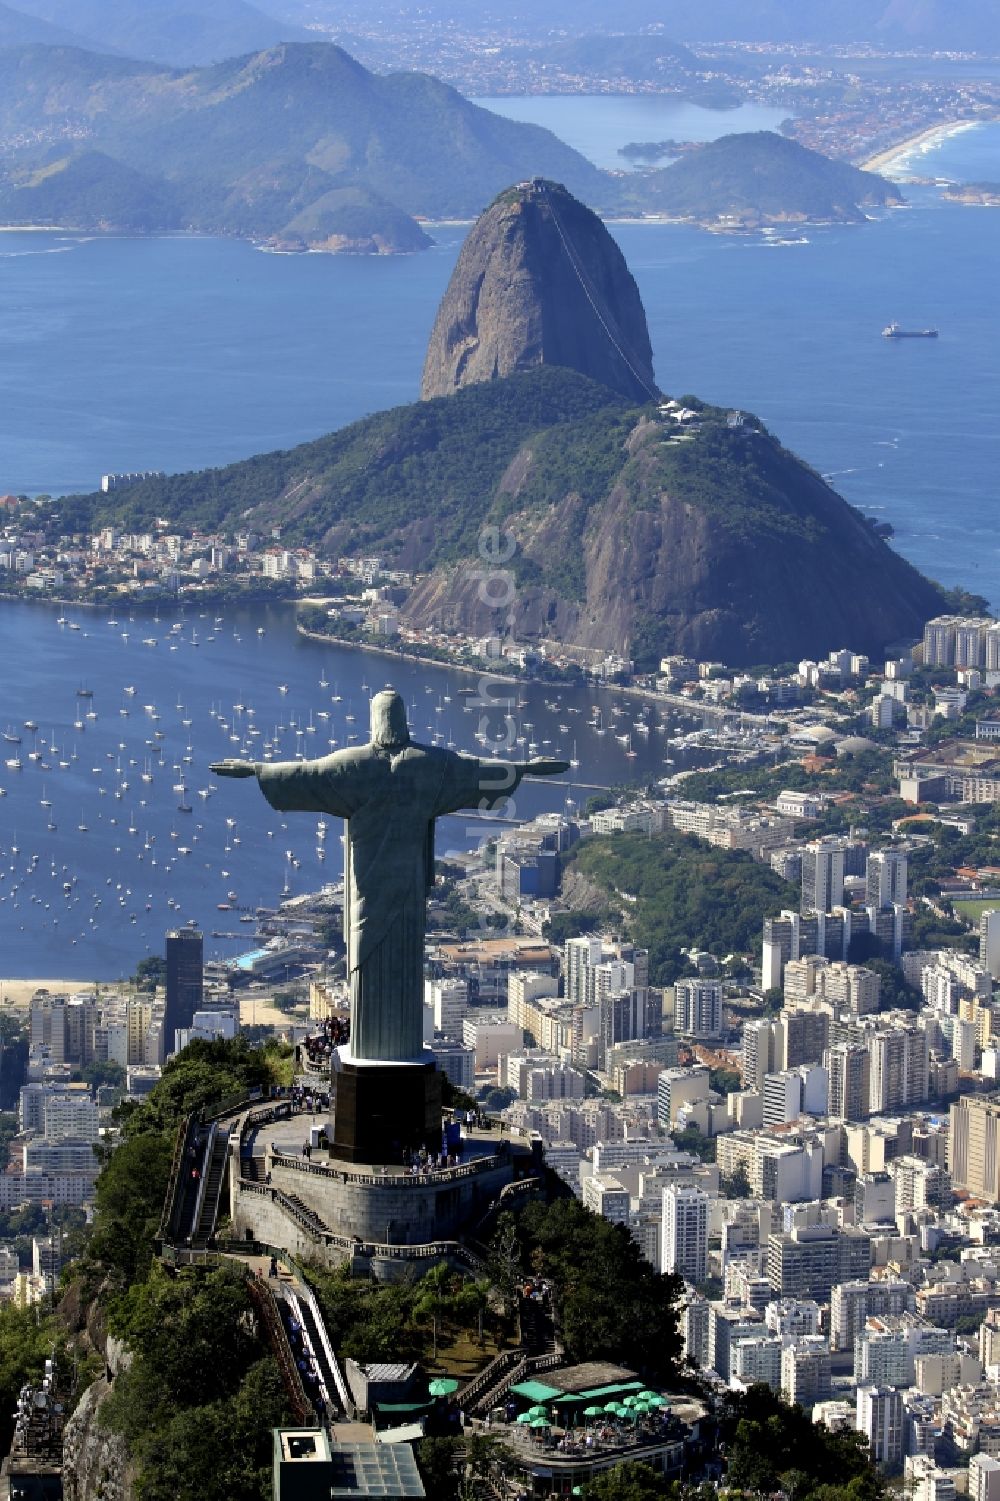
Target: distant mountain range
column 302, row 146
column 181, row 32
column 20, row 30
column 937, row 24
column 266, row 146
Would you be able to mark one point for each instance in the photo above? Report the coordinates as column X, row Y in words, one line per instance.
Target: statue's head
column 389, row 728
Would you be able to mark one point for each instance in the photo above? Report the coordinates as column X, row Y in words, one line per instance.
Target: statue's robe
column 390, row 801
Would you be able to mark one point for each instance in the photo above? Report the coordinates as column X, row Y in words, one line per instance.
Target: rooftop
column 976, row 757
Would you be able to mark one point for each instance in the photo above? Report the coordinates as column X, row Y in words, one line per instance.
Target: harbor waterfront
column 112, row 828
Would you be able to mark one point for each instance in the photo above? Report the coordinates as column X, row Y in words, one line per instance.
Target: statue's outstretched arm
column 475, row 781
column 323, row 786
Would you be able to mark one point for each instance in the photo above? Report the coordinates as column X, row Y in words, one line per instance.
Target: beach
column 895, row 160
column 255, row 1010
column 18, row 993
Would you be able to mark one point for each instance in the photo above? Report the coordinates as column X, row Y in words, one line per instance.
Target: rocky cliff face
column 540, row 281
column 96, row 1464
column 719, row 545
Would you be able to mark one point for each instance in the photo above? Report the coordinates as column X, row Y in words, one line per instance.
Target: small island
column 976, row 194
column 752, row 181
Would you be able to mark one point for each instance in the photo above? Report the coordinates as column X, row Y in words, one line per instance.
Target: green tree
column 626, row 1482
column 26, row 1342
column 437, row 1459
column 769, row 1440
column 609, row 1303
column 736, row 1185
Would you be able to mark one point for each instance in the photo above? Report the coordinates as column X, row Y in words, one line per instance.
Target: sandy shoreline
column 890, row 160
column 18, row 993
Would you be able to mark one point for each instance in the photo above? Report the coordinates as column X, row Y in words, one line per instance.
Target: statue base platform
column 380, row 1111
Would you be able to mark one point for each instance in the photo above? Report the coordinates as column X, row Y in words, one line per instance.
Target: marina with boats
column 109, row 809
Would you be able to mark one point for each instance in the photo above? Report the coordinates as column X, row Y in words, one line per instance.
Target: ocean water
column 598, row 126
column 98, row 857
column 180, row 353
column 175, row 354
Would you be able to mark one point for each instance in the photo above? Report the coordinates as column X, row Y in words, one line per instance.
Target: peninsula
column 638, row 525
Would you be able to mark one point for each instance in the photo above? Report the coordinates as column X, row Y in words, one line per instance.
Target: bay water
column 178, row 353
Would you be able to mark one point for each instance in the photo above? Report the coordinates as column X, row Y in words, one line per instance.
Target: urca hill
column 644, row 526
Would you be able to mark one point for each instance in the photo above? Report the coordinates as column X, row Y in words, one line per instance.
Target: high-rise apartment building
column 885, row 879
column 782, row 1097
column 805, row 1370
column 684, row 1237
column 185, row 982
column 962, row 641
column 880, row 1419
column 698, row 1009
column 811, row 1260
column 802, row 1036
column 823, row 874
column 848, row 1066
column 761, row 1052
column 974, row 1146
column 989, row 942
column 898, row 1063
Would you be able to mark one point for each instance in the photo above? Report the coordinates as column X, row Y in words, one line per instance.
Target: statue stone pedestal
column 382, row 1110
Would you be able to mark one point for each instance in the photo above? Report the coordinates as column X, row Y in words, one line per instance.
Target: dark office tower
column 185, row 982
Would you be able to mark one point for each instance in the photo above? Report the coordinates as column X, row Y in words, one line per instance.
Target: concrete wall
column 401, row 1212
column 259, row 1217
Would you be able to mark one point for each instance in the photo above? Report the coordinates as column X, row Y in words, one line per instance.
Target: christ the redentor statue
column 390, row 792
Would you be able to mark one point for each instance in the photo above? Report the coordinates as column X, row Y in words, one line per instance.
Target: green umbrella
column 524, row 1417
column 655, row 1400
column 630, row 1401
column 540, row 1423
column 593, row 1412
column 538, row 1411
column 611, row 1407
column 442, row 1386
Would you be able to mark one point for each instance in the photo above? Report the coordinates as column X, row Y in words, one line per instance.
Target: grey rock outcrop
column 540, row 281
column 96, row 1466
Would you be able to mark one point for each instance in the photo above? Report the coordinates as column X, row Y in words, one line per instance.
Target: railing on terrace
column 233, row 1104
column 321, row 1067
column 627, row 1444
column 393, row 1180
column 522, row 1187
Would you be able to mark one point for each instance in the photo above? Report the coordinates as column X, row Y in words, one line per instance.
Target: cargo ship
column 895, row 332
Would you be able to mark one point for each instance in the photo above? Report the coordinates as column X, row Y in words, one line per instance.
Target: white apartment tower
column 684, row 1237
column 880, row 1419
column 989, row 942
column 898, row 1062
column 823, row 875
column 698, row 1009
column 885, row 879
